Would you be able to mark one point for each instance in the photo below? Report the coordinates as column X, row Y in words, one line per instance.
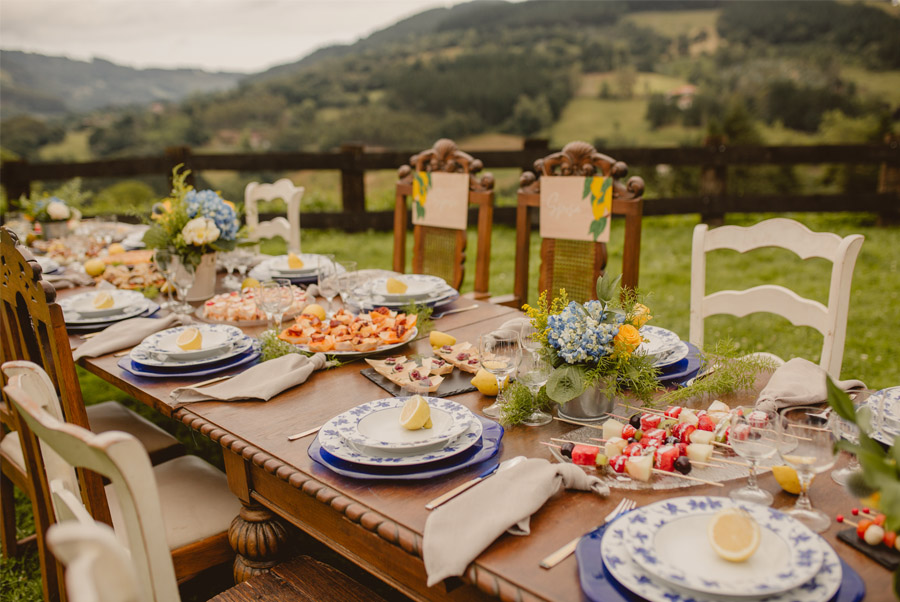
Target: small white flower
column 58, row 211
column 200, row 231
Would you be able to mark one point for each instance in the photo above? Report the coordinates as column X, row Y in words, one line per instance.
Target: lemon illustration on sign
column 249, row 283
column 787, row 478
column 733, row 534
column 294, row 262
column 439, row 339
column 599, row 211
column 103, row 300
column 190, row 339
column 395, row 287
column 115, row 249
column 416, row 413
column 597, row 188
column 94, row 267
column 486, row 383
column 314, row 309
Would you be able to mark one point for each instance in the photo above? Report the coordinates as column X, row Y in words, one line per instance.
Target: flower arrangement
column 191, row 223
column 59, row 206
column 593, row 343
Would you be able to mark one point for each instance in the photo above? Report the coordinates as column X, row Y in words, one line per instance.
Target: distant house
column 682, row 96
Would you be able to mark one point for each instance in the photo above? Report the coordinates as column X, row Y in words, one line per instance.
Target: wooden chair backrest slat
column 288, row 229
column 446, row 257
column 830, row 319
column 576, row 265
column 118, row 456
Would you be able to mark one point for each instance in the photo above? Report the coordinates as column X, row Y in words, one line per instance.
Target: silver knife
column 457, row 490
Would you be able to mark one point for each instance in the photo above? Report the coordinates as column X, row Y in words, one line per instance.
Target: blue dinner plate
column 151, row 310
column 485, row 451
column 599, row 585
column 683, row 370
column 148, row 372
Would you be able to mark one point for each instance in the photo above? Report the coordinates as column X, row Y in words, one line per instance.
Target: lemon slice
column 428, row 424
column 416, row 413
column 439, row 339
column 395, row 287
column 314, row 309
column 733, row 534
column 103, row 300
column 787, row 478
column 294, row 262
column 190, row 339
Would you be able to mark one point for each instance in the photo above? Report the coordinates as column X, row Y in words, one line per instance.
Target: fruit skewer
column 717, row 458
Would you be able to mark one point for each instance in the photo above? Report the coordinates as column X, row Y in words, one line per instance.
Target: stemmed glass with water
column 274, row 297
column 534, row 371
column 500, row 353
column 161, row 261
column 327, row 279
column 806, row 438
column 753, row 435
column 181, row 274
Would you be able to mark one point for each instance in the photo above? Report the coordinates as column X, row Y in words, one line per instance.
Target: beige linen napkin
column 70, row 278
column 799, row 382
column 126, row 333
column 259, row 383
column 457, row 532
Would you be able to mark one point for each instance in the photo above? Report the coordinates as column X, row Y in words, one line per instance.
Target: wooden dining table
column 378, row 525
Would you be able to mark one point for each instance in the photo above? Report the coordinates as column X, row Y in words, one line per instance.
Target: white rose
column 200, row 231
column 58, row 211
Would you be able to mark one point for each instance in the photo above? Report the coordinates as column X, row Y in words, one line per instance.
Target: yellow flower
column 627, row 339
column 641, row 315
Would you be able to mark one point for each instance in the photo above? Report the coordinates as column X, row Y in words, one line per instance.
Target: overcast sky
column 228, row 35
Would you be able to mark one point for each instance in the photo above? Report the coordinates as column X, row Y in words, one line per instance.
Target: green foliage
column 423, row 317
column 23, row 134
column 70, row 193
column 530, row 115
column 727, row 369
column 519, row 403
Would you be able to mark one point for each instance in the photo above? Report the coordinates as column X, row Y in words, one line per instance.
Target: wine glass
column 806, row 438
column 243, row 260
column 161, row 261
column 528, row 338
column 274, row 297
column 328, row 283
column 182, row 278
column 229, row 261
column 534, row 371
column 850, row 432
column 347, row 282
column 500, row 354
column 753, row 436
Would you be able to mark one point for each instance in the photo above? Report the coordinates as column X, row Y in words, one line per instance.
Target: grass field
column 870, row 354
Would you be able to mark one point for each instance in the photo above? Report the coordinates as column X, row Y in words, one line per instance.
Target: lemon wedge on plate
column 190, row 339
column 314, row 309
column 395, row 287
column 103, row 300
column 733, row 534
column 294, row 262
column 416, row 413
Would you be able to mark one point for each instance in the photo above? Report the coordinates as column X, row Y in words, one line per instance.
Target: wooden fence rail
column 712, row 200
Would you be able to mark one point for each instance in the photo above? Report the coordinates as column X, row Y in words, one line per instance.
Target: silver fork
column 564, row 552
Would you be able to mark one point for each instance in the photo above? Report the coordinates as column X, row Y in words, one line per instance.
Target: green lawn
column 870, row 354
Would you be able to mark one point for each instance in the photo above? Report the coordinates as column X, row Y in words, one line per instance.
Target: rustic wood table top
column 379, row 524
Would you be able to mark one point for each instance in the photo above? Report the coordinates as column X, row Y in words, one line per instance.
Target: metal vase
column 590, row 406
column 50, row 230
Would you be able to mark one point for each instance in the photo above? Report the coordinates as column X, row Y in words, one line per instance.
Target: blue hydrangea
column 583, row 333
column 208, row 203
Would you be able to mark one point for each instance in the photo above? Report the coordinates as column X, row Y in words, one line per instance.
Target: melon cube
column 612, row 428
column 699, row 452
column 639, row 467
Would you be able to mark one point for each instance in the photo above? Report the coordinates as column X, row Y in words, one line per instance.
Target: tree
column 25, row 135
column 531, row 115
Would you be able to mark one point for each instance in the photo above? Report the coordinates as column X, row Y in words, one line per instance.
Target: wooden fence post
column 180, row 154
column 889, row 181
column 713, row 179
column 353, row 183
column 535, row 144
column 14, row 177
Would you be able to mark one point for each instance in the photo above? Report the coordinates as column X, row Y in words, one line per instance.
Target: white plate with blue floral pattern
column 674, row 355
column 422, row 289
column 659, row 341
column 334, row 443
column 822, row 586
column 278, row 265
column 218, row 341
column 376, row 424
column 658, row 535
column 885, row 408
column 126, row 304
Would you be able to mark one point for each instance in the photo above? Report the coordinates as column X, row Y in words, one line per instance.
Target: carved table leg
column 258, row 538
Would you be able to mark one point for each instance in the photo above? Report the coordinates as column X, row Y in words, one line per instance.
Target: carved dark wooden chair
column 571, row 264
column 34, row 330
column 442, row 251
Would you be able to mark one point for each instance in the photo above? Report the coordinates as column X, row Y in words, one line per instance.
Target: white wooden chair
column 830, row 320
column 192, row 495
column 288, row 229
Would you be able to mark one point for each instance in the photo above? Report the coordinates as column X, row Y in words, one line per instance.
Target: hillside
column 48, row 85
column 613, row 73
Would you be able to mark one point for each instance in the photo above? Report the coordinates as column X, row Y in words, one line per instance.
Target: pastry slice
column 462, row 355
